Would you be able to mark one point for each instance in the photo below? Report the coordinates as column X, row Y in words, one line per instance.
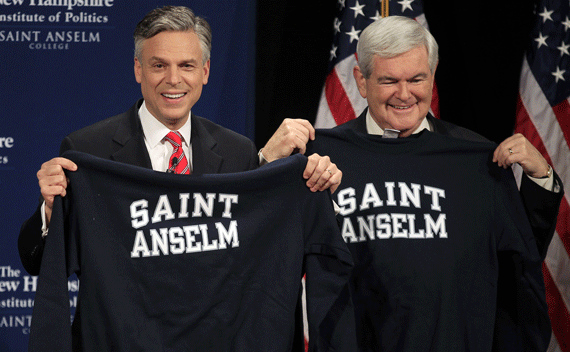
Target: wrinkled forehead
column 407, row 65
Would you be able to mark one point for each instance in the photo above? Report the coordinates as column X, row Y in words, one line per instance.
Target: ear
column 433, row 74
column 138, row 70
column 360, row 80
column 206, row 69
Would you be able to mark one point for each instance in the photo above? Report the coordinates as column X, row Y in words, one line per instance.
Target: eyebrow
column 390, row 78
column 190, row 61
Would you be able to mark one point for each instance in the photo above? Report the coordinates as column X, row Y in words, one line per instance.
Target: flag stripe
column 341, row 108
column 557, row 261
column 561, row 113
column 324, row 116
column 558, row 313
column 554, row 347
column 562, row 226
column 435, row 102
column 344, row 71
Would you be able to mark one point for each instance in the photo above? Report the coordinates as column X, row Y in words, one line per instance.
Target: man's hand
column 517, row 149
column 53, row 182
column 321, row 174
column 291, row 136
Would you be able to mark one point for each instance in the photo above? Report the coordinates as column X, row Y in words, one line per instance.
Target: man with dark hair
column 172, row 64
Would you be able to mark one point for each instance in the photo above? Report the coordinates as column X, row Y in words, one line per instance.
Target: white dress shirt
column 158, row 148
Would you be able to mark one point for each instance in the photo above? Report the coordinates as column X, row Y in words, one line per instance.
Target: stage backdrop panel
column 65, row 64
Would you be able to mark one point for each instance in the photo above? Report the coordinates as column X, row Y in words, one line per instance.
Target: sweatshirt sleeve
column 328, row 265
column 51, row 328
column 522, row 321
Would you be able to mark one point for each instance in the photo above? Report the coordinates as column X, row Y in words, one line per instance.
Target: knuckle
column 321, row 167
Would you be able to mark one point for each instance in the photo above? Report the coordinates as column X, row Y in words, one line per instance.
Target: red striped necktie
column 178, row 162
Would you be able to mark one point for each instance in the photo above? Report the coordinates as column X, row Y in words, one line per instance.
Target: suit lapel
column 204, row 159
column 360, row 122
column 131, row 148
column 129, row 139
column 438, row 126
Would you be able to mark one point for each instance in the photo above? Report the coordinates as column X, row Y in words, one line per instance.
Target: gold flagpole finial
column 385, row 8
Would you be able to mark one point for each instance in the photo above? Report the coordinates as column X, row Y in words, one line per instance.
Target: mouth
column 173, row 96
column 400, row 107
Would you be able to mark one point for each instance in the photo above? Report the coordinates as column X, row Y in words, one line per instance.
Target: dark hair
column 173, row 18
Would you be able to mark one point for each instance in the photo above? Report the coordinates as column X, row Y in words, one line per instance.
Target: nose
column 173, row 76
column 403, row 92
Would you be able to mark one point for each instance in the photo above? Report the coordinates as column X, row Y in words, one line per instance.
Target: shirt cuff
column 44, row 222
column 262, row 160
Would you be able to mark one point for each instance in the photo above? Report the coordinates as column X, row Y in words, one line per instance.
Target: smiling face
column 171, row 75
column 399, row 90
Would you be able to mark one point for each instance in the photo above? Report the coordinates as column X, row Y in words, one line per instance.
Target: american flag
column 543, row 117
column 340, row 100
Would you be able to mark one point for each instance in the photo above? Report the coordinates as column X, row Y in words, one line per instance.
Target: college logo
column 38, row 15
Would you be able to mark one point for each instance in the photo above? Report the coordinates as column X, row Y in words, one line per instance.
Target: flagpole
column 385, row 8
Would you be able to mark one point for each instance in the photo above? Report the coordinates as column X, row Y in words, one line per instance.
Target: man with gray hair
column 397, row 60
column 400, row 100
column 394, row 290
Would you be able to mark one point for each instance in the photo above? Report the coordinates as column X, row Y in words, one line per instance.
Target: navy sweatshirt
column 192, row 263
column 444, row 257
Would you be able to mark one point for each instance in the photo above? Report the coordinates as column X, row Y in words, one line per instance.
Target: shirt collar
column 373, row 128
column 154, row 131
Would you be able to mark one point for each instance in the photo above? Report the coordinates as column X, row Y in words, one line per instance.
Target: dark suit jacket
column 522, row 322
column 215, row 149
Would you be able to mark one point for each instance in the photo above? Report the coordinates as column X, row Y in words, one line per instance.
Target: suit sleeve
column 31, row 243
column 30, row 240
column 541, row 207
column 253, row 157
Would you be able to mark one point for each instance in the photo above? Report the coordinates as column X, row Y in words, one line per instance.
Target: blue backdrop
column 63, row 67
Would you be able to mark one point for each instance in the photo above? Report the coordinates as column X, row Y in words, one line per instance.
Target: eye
column 417, row 80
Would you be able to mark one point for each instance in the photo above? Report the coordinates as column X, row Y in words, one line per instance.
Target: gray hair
column 173, row 18
column 391, row 36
